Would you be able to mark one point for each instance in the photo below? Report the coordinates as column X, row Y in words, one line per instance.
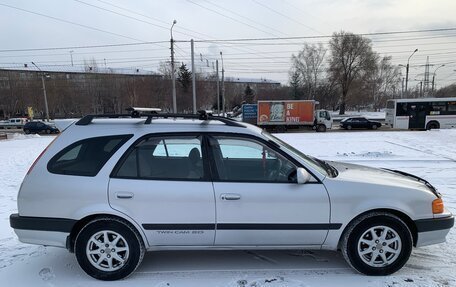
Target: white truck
column 13, row 123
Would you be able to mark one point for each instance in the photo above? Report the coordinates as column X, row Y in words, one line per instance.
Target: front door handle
column 124, row 195
column 230, row 196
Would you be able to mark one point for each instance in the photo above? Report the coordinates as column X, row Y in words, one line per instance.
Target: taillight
column 437, row 206
column 41, row 154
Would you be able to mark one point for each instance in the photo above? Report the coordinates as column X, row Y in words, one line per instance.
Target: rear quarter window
column 86, row 157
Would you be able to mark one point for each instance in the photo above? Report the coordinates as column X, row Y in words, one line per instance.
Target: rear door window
column 86, row 157
column 164, row 158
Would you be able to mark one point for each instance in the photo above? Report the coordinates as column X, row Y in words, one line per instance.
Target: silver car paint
column 356, row 190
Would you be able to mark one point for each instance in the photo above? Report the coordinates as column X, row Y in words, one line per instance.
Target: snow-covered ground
column 431, row 155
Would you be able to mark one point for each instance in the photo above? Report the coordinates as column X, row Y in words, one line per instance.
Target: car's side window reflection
column 246, row 160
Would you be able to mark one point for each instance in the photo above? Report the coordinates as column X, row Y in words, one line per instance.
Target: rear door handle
column 124, row 195
column 230, row 196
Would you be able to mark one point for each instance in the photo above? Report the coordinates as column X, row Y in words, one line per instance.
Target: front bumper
column 433, row 230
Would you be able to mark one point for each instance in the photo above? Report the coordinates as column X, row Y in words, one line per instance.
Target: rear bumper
column 433, row 230
column 42, row 230
column 41, row 223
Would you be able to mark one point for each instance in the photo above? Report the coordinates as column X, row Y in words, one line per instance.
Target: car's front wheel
column 377, row 244
column 109, row 249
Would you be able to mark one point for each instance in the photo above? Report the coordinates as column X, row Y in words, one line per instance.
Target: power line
column 69, row 22
column 84, row 47
column 176, row 29
column 129, row 17
column 302, row 11
column 229, row 17
column 285, row 16
column 328, row 36
column 243, row 17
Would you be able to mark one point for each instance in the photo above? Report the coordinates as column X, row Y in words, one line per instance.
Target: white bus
column 426, row 113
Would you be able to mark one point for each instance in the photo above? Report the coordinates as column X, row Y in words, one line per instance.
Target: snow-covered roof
column 251, row 80
column 75, row 69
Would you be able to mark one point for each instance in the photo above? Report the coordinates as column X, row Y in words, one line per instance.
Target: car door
column 163, row 183
column 258, row 199
column 364, row 123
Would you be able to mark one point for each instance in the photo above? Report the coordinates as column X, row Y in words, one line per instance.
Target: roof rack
column 202, row 115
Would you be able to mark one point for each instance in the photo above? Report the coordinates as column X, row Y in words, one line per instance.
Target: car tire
column 371, row 251
column 109, row 248
column 349, row 127
column 48, row 131
column 27, row 132
column 374, row 127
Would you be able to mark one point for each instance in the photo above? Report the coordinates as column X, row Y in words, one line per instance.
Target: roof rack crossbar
column 201, row 116
column 86, row 120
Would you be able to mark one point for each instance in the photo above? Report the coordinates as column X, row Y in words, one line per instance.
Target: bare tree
column 381, row 83
column 351, row 56
column 308, row 63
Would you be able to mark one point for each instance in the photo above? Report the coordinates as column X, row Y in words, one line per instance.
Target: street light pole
column 407, row 72
column 193, row 76
column 223, row 84
column 218, row 86
column 71, row 55
column 433, row 76
column 173, row 76
column 44, row 92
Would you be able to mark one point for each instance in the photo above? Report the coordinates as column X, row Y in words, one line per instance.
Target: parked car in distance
column 359, row 123
column 109, row 189
column 13, row 123
column 37, row 127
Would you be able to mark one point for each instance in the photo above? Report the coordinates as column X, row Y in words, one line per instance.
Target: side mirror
column 303, row 175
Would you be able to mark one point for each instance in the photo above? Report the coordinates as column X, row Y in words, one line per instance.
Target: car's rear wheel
column 109, row 249
column 48, row 131
column 374, row 127
column 27, row 131
column 377, row 244
column 349, row 127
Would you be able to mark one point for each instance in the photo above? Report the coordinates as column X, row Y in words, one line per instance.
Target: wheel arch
column 79, row 225
column 404, row 217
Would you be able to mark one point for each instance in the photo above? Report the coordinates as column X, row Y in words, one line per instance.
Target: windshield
column 319, row 165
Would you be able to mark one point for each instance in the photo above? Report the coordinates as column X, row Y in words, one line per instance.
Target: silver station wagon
column 111, row 187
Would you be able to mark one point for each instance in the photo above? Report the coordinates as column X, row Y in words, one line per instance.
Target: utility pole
column 193, row 75
column 218, row 87
column 223, row 85
column 71, row 55
column 44, row 92
column 433, row 77
column 173, row 76
column 407, row 72
column 402, row 88
column 421, row 89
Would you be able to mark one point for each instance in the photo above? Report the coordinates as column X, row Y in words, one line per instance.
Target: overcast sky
column 140, row 20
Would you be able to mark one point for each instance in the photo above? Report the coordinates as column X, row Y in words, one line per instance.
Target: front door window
column 245, row 160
